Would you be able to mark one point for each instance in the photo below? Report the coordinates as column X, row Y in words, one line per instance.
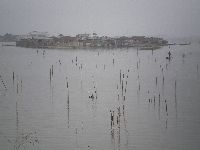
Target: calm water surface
column 77, row 99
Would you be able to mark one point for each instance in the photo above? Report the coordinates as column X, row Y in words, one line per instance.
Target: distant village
column 37, row 39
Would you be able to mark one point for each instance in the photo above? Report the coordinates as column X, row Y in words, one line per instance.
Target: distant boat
column 149, row 48
column 8, row 44
column 172, row 44
column 185, row 43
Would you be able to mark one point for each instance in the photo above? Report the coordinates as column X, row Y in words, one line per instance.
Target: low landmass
column 42, row 40
column 9, row 38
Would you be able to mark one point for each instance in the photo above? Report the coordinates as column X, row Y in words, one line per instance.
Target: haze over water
column 76, row 99
column 169, row 18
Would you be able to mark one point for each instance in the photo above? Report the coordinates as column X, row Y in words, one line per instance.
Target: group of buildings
column 42, row 40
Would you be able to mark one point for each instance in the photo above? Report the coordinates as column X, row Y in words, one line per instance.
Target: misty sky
column 105, row 17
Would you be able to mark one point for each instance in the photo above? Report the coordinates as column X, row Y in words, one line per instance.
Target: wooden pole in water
column 122, row 87
column 175, row 89
column 17, row 119
column 21, row 86
column 50, row 74
column 139, row 86
column 120, row 76
column 13, row 78
column 175, row 98
column 159, row 105
column 52, row 70
column 110, row 119
column 156, row 81
column 113, row 119
column 17, row 87
column 166, row 106
column 68, row 109
column 123, row 109
column 163, row 80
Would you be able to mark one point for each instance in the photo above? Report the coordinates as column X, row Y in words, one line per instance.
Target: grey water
column 101, row 99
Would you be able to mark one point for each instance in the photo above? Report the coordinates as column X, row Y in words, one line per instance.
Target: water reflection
column 99, row 99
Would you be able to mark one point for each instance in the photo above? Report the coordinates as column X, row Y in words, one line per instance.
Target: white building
column 83, row 36
column 35, row 35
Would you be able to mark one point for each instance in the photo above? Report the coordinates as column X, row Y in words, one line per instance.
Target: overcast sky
column 105, row 17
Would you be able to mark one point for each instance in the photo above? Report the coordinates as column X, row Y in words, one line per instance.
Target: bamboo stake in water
column 175, row 99
column 139, row 87
column 120, row 76
column 50, row 76
column 163, row 80
column 52, row 70
column 68, row 108
column 17, row 119
column 17, row 88
column 159, row 106
column 21, row 86
column 13, row 78
column 156, row 81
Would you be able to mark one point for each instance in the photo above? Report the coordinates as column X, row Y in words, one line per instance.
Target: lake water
column 76, row 99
